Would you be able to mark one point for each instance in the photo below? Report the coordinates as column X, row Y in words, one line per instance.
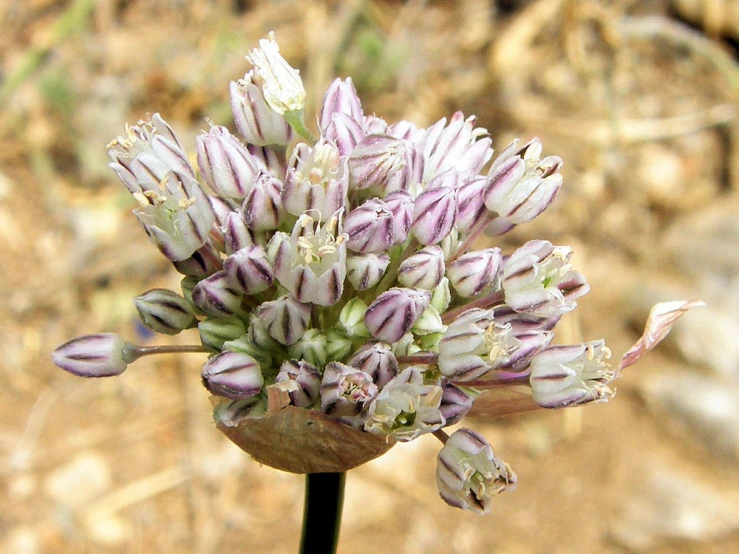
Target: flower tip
column 99, row 355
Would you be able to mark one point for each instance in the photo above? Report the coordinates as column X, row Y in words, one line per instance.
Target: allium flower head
column 335, row 286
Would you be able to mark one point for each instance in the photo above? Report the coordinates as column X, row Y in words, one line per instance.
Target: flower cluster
column 334, row 276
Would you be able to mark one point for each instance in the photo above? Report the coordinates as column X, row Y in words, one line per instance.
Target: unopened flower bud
column 253, row 117
column 226, row 165
column 304, row 380
column 475, row 272
column 400, row 204
column 406, row 408
column 428, row 323
column 383, row 162
column 245, row 345
column 340, row 98
column 281, row 84
column 164, row 311
column 236, row 233
column 204, row 261
column 263, row 210
column 394, row 312
column 470, row 205
column 364, row 271
column 435, row 210
column 468, row 474
column 351, row 319
column 566, row 375
column 215, row 331
column 231, row 414
column 345, row 391
column 539, row 280
column 310, row 348
column 99, row 355
column 233, row 375
column 369, row 227
column 286, row 319
column 455, row 403
column 423, row 270
column 249, row 270
column 338, row 346
column 216, row 296
column 377, row 360
column 345, row 132
column 441, row 296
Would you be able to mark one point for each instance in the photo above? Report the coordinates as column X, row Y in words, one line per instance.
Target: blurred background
column 640, row 98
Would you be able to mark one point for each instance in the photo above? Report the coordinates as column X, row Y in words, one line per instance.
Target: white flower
column 281, row 84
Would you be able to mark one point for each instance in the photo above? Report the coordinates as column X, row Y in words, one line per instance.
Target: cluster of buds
column 332, row 279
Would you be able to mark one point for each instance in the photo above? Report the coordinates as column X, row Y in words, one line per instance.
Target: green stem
column 324, row 499
column 295, row 120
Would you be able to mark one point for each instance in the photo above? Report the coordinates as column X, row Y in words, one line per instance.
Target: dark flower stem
column 324, row 499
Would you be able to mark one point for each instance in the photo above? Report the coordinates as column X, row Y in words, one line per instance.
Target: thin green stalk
column 324, row 499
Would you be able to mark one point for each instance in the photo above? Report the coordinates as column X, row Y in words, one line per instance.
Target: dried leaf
column 503, row 401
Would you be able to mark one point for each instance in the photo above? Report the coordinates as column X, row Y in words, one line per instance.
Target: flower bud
column 205, row 261
column 233, row 375
column 470, row 205
column 441, row 296
column 231, row 414
column 394, row 312
column 345, row 132
column 383, row 162
column 345, row 391
column 286, row 319
column 406, row 346
column 245, row 345
column 281, row 84
column 455, row 403
column 423, row 270
column 310, row 348
column 236, row 233
column 226, row 165
column 369, row 227
column 215, row 331
column 364, row 271
column 216, row 296
column 351, row 319
column 428, row 323
column 538, row 279
column 249, row 270
column 468, row 473
column 400, row 204
column 99, row 355
column 164, row 311
column 435, row 210
column 377, row 360
column 405, row 408
column 262, row 207
column 338, row 346
column 567, row 375
column 340, row 98
column 253, row 117
column 304, row 380
column 475, row 272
